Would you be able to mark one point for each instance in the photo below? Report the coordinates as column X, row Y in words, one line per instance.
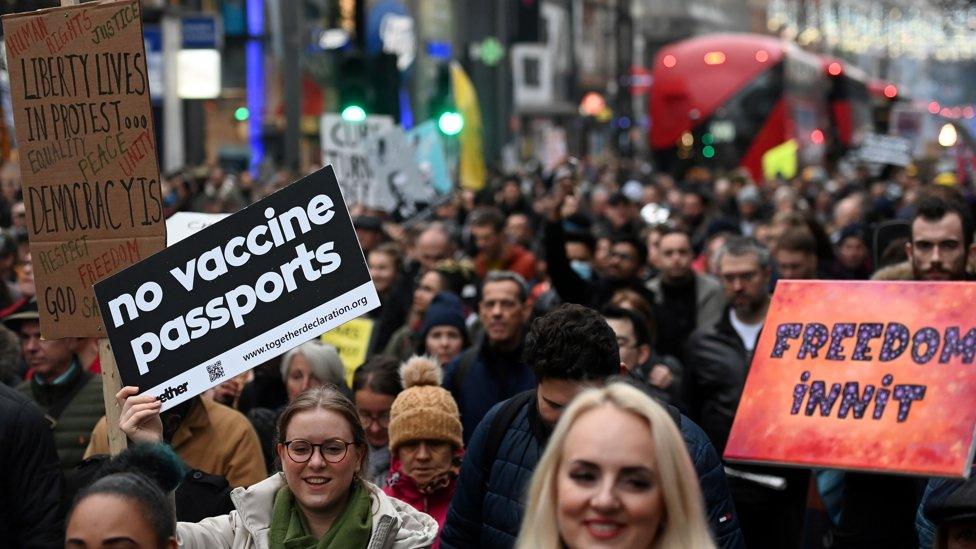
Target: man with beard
column 877, row 510
column 770, row 500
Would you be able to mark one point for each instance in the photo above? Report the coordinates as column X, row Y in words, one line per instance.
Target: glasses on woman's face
column 333, row 450
column 367, row 419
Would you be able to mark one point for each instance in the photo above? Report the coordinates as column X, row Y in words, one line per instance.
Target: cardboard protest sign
column 431, row 158
column 182, row 224
column 397, row 178
column 352, row 341
column 268, row 278
column 344, row 146
column 80, row 94
column 874, row 376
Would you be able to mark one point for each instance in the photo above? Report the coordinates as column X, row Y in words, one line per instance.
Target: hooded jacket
column 433, row 503
column 396, row 525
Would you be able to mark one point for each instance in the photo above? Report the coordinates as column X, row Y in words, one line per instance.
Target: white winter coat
column 396, row 525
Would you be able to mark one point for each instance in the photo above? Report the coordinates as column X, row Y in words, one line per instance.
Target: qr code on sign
column 216, row 371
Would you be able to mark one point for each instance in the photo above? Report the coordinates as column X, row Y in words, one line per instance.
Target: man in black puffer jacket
column 569, row 349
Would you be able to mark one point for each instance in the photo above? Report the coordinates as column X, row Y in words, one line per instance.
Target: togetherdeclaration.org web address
column 309, row 326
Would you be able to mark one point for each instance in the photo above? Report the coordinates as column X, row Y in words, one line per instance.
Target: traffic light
column 353, row 87
column 441, row 105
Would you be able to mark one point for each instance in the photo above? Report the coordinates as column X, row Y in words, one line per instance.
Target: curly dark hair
column 573, row 343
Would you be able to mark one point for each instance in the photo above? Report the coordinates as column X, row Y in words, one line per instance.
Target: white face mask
column 582, row 268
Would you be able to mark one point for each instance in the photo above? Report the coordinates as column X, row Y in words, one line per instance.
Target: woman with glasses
column 425, row 439
column 615, row 473
column 375, row 386
column 318, row 500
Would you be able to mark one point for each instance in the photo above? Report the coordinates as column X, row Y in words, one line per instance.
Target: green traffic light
column 707, row 139
column 450, row 123
column 241, row 114
column 708, row 151
column 353, row 113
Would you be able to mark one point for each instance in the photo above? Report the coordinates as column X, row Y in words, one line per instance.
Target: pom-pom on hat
column 424, row 410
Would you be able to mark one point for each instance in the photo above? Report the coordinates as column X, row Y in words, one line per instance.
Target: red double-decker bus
column 723, row 101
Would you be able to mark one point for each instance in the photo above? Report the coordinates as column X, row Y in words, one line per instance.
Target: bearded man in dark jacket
column 770, row 500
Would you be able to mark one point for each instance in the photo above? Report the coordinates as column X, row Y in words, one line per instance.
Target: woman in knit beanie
column 443, row 334
column 425, row 440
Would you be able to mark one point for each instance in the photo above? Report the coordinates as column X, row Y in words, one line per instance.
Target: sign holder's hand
column 140, row 416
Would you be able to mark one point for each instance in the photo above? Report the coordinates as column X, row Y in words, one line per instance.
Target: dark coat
column 481, row 377
column 489, row 513
column 571, row 288
column 30, row 476
column 74, row 426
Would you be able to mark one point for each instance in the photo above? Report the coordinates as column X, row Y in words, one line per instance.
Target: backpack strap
column 55, row 410
column 499, row 426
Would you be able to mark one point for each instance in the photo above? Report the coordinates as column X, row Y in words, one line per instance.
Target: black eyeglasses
column 333, row 450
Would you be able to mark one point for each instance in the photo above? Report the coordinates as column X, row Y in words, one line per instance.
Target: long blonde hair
column 683, row 524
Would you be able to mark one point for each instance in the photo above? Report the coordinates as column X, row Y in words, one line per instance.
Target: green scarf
column 289, row 528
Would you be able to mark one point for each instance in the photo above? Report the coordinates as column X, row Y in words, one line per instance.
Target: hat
column 21, row 310
column 423, row 410
column 619, row 199
column 854, row 230
column 368, row 223
column 444, row 310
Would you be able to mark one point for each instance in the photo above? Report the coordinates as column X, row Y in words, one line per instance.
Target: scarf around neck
column 289, row 527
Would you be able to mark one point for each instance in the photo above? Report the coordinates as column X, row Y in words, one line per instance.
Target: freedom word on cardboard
column 862, row 375
column 288, row 256
column 80, row 94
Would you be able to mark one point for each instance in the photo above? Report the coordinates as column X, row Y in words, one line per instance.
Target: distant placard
column 431, row 158
column 885, row 149
column 872, row 376
column 245, row 290
column 344, row 146
column 351, row 340
column 80, row 93
column 399, row 183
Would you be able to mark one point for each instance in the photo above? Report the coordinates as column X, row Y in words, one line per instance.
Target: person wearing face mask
column 318, row 500
column 615, row 474
column 403, row 342
column 443, row 334
column 425, row 439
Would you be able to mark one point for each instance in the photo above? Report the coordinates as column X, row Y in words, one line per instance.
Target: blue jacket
column 489, row 514
column 480, row 378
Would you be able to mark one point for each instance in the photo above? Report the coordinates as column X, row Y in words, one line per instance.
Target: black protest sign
column 266, row 279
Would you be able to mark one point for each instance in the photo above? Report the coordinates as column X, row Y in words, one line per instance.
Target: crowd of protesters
column 557, row 361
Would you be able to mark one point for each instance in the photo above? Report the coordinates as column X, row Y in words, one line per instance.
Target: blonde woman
column 615, row 474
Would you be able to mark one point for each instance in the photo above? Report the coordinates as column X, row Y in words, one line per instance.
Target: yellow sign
column 471, row 171
column 352, row 341
column 780, row 161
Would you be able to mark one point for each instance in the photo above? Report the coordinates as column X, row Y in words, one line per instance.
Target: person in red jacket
column 425, row 441
column 495, row 252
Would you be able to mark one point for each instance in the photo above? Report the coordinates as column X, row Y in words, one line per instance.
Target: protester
column 949, row 513
column 30, row 475
column 405, row 340
column 570, row 349
column 434, row 244
column 443, row 333
column 640, row 359
column 69, row 396
column 686, row 300
column 311, row 364
column 375, row 386
column 205, row 434
column 394, row 290
column 880, row 509
column 495, row 253
column 319, row 499
column 493, row 370
column 615, row 472
column 123, row 509
column 425, row 440
column 796, row 255
column 718, row 359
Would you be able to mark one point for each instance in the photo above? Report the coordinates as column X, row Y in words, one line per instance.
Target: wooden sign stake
column 111, row 384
